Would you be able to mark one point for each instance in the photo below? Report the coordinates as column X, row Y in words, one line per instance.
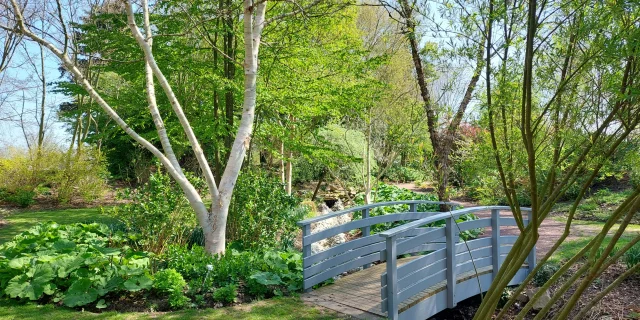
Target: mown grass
column 280, row 309
column 19, row 221
column 570, row 248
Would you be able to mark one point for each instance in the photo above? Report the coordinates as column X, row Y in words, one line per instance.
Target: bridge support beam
column 392, row 278
column 306, row 249
column 531, row 259
column 366, row 231
column 451, row 235
column 495, row 241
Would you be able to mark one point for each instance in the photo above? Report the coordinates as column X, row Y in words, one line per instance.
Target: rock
column 522, row 298
column 327, row 224
column 542, row 301
column 338, row 205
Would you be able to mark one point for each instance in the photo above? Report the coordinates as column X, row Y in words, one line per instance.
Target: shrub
column 387, row 192
column 403, row 174
column 545, row 273
column 226, row 294
column 632, row 256
column 340, row 149
column 75, row 264
column 80, row 174
column 170, row 282
column 22, row 198
column 158, row 214
column 264, row 273
column 261, row 214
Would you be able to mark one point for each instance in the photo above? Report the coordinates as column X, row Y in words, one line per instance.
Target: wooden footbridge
column 411, row 271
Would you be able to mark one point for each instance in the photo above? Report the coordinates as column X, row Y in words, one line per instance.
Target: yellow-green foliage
column 67, row 174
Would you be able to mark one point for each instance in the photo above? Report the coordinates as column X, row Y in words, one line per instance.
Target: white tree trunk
column 213, row 221
column 288, row 188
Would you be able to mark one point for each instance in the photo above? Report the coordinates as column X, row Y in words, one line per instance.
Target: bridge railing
column 360, row 252
column 467, row 267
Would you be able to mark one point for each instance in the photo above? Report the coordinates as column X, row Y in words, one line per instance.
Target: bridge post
column 451, row 236
column 413, row 207
column 531, row 259
column 392, row 278
column 366, row 231
column 306, row 249
column 495, row 241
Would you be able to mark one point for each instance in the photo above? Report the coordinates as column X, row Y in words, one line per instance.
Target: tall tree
column 213, row 219
column 441, row 133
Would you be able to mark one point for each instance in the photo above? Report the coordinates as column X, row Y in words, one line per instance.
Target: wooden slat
column 421, row 262
column 341, row 248
column 359, row 262
column 357, row 224
column 433, row 246
column 473, row 244
column 342, row 258
column 508, row 239
column 423, row 273
column 474, row 224
column 422, row 285
column 511, row 221
column 441, row 216
column 369, row 206
column 475, row 254
column 421, row 239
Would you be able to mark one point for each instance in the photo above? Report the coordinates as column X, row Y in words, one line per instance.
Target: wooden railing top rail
column 455, row 213
column 370, row 206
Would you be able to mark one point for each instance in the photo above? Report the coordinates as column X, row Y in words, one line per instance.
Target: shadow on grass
column 273, row 309
column 20, row 221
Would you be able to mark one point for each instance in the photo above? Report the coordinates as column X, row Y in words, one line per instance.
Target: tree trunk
column 289, row 170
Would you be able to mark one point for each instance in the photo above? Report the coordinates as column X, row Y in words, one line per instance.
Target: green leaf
column 64, row 246
column 138, row 283
column 80, row 293
column 19, row 263
column 32, row 284
column 267, row 278
column 101, row 304
column 68, row 264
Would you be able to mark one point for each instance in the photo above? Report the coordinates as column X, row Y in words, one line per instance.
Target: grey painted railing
column 360, row 252
column 440, row 279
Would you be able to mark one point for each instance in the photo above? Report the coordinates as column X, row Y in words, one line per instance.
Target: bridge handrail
column 370, row 206
column 440, row 216
column 351, row 255
column 417, row 275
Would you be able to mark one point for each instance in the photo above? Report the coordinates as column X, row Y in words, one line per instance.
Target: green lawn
column 280, row 309
column 20, row 221
column 569, row 248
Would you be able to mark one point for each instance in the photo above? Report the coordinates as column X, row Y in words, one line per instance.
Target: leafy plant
column 403, row 174
column 170, row 282
column 21, row 197
column 261, row 214
column 545, row 273
column 158, row 213
column 226, row 294
column 632, row 256
column 263, row 273
column 75, row 264
column 386, row 192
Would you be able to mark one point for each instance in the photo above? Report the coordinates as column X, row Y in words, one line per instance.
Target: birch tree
column 212, row 219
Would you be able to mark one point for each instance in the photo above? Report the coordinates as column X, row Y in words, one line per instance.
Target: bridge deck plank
column 359, row 292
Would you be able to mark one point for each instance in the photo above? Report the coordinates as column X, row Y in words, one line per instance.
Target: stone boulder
column 327, row 224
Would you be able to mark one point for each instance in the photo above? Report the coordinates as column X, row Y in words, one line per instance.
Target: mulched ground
column 621, row 303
